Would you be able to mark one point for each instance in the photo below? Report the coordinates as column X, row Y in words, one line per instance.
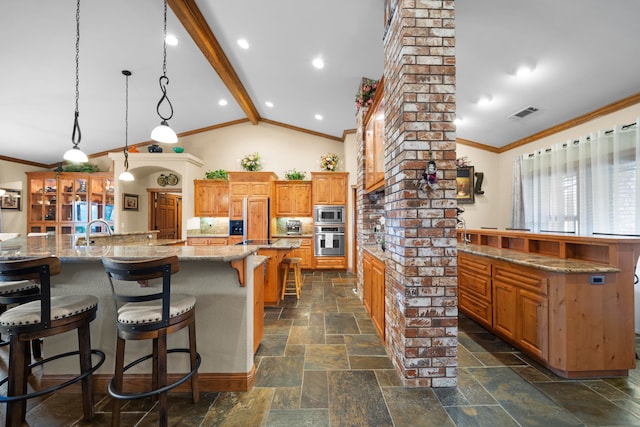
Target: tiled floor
column 322, row 364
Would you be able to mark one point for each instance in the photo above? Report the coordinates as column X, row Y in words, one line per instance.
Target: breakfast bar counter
column 220, row 277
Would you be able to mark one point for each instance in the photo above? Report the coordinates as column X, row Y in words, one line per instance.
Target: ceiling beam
column 192, row 20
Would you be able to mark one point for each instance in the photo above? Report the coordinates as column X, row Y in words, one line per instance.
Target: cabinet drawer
column 478, row 285
column 479, row 310
column 521, row 278
column 476, row 264
column 330, row 262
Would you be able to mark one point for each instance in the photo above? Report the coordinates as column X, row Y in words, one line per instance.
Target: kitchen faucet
column 465, row 236
column 93, row 221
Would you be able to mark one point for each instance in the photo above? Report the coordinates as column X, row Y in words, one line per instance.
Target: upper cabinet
column 211, row 198
column 64, row 202
column 293, row 198
column 330, row 188
column 374, row 142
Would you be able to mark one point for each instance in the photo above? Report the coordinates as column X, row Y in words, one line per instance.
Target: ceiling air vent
column 524, row 112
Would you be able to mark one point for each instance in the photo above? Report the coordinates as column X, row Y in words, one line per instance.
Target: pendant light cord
column 126, row 73
column 164, row 80
column 76, row 135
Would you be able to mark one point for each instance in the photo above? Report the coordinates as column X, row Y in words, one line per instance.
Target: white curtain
column 584, row 186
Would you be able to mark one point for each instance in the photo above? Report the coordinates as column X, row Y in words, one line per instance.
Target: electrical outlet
column 597, row 280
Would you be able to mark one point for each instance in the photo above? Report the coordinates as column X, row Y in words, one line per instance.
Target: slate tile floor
column 322, row 364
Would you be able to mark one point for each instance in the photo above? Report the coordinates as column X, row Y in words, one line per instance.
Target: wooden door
column 257, row 218
column 166, row 216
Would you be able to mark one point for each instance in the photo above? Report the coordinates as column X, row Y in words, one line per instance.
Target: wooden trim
column 207, row 382
column 192, row 20
column 477, row 145
column 310, row 132
column 25, row 162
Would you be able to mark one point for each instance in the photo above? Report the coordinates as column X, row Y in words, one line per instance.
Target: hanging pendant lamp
column 74, row 154
column 126, row 175
column 162, row 132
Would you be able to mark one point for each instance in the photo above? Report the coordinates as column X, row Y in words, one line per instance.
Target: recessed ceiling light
column 485, row 100
column 243, row 43
column 318, row 63
column 222, row 102
column 171, row 40
column 269, row 104
column 524, row 70
column 318, row 117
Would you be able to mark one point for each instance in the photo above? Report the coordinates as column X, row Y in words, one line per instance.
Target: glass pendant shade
column 126, row 176
column 75, row 155
column 163, row 133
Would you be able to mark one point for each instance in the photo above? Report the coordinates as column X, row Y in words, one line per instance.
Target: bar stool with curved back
column 291, row 286
column 154, row 316
column 40, row 315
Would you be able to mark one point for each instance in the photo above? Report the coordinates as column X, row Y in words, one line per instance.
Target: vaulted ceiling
column 582, row 52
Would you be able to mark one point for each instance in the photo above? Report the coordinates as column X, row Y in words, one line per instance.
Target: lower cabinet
column 259, row 273
column 207, row 241
column 374, row 290
column 520, row 309
column 330, row 262
column 305, row 252
column 474, row 288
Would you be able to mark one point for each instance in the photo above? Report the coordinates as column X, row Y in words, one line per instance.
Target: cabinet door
column 377, row 296
column 257, row 218
column 211, row 198
column 235, row 208
column 302, row 199
column 504, row 308
column 534, row 318
column 329, row 188
column 369, row 155
column 284, row 200
column 366, row 281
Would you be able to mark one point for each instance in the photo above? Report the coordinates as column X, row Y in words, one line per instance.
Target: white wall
column 494, row 207
column 12, row 176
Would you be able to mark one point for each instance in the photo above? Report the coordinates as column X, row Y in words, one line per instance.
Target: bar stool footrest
column 58, row 386
column 132, row 396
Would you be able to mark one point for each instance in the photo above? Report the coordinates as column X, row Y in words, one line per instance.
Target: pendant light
column 126, row 175
column 74, row 154
column 163, row 133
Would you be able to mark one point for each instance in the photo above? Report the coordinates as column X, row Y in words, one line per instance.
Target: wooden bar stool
column 154, row 316
column 39, row 315
column 292, row 286
column 8, row 292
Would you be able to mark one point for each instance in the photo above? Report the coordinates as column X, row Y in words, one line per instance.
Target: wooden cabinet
column 374, row 291
column 520, row 311
column 330, row 188
column 259, row 273
column 305, row 252
column 248, row 184
column 566, row 301
column 374, row 138
column 330, row 262
column 234, row 240
column 211, row 198
column 474, row 288
column 292, row 198
column 207, row 241
column 64, row 202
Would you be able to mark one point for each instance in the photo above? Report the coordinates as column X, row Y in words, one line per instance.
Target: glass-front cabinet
column 64, row 202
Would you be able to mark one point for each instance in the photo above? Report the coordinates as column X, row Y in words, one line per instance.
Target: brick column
column 421, row 268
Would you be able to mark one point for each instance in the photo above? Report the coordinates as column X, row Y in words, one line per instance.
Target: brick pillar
column 421, row 271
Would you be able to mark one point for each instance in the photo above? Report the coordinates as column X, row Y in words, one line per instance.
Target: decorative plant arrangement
column 219, row 174
column 294, row 175
column 329, row 162
column 251, row 162
column 81, row 167
column 365, row 94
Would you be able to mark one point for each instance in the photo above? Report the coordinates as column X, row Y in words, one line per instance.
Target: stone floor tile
column 356, row 400
column 280, row 372
column 240, row 409
column 315, row 391
column 324, row 357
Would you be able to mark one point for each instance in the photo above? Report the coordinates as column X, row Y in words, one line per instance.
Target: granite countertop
column 541, row 262
column 292, row 236
column 376, row 251
column 64, row 247
column 272, row 243
column 203, row 235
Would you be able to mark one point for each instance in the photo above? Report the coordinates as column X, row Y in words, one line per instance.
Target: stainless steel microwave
column 327, row 214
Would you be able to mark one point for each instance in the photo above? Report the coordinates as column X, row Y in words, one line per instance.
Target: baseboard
column 207, row 382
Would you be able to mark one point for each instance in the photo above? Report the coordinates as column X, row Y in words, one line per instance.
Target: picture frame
column 130, row 202
column 11, row 199
column 464, row 185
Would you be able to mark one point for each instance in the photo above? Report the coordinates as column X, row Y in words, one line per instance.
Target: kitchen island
column 220, row 277
column 567, row 301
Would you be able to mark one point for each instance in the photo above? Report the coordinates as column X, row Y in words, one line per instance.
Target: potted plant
column 294, row 175
column 329, row 162
column 219, row 174
column 251, row 162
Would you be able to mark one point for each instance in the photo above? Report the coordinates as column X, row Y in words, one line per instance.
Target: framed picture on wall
column 129, row 202
column 10, row 199
column 465, row 185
